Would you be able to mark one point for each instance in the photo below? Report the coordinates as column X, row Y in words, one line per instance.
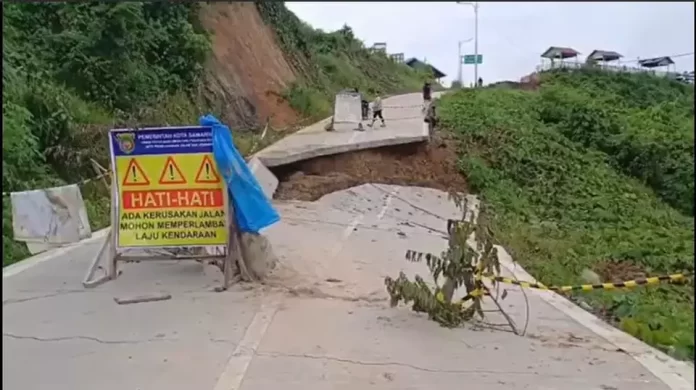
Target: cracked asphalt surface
column 320, row 321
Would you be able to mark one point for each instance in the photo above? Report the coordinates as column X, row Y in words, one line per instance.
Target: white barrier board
column 50, row 217
column 347, row 108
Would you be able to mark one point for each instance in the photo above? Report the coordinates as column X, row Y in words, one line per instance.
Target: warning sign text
column 169, row 190
column 190, row 225
column 165, row 199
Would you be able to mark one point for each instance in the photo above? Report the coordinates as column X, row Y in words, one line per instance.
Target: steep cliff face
column 268, row 66
column 247, row 72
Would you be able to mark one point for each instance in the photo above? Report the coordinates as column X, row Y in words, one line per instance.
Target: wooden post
column 231, row 250
column 100, row 172
column 234, row 259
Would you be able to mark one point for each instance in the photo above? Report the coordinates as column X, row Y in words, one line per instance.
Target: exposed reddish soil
column 247, row 71
column 427, row 165
column 619, row 271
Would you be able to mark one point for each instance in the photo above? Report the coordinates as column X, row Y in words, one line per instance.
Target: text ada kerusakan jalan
column 169, row 189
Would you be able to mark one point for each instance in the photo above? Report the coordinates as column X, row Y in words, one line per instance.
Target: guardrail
column 610, row 68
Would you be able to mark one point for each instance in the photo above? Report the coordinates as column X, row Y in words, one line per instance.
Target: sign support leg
column 88, row 282
column 111, row 266
column 228, row 265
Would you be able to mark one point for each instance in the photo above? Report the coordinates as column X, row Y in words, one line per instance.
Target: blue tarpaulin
column 252, row 209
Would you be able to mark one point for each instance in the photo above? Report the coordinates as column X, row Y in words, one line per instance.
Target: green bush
column 560, row 206
column 644, row 125
column 73, row 70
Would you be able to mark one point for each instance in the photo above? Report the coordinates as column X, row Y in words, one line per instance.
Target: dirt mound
column 529, row 85
column 426, row 165
column 619, row 271
column 247, row 71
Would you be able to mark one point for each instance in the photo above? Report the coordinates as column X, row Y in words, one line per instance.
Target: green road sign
column 470, row 59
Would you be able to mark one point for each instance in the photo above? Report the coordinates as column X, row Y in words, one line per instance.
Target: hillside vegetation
column 72, row 71
column 591, row 171
column 329, row 62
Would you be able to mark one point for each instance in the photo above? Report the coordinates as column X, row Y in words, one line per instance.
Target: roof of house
column 416, row 63
column 560, row 52
column 655, row 62
column 604, row 55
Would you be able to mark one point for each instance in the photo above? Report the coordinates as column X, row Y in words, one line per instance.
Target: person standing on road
column 364, row 105
column 377, row 111
column 426, row 95
column 480, row 82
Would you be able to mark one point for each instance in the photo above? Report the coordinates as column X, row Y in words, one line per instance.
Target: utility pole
column 475, row 6
column 459, row 62
column 476, row 53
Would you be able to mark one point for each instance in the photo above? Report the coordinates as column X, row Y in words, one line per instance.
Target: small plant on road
column 457, row 266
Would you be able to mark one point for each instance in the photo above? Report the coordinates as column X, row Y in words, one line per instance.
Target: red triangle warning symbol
column 171, row 174
column 135, row 176
column 206, row 173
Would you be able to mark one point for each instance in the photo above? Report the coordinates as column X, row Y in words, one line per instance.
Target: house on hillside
column 379, row 47
column 660, row 66
column 558, row 57
column 418, row 64
column 658, row 62
column 397, row 57
column 602, row 57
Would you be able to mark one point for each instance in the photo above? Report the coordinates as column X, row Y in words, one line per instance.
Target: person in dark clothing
column 364, row 105
column 426, row 96
column 480, row 82
column 426, row 91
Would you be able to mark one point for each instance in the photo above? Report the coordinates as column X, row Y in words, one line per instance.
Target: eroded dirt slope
column 426, row 165
column 247, row 71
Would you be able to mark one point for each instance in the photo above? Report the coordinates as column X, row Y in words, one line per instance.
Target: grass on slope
column 643, row 123
column 330, row 62
column 71, row 72
column 560, row 207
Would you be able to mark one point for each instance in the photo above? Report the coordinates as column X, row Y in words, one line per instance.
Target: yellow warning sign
column 169, row 191
column 134, row 175
column 206, row 173
column 171, row 174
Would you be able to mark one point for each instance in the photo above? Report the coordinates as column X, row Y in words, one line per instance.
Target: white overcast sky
column 512, row 35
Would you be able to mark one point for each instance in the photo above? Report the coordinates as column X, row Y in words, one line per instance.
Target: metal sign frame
column 112, row 254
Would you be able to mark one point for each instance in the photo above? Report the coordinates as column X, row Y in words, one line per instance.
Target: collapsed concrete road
column 321, row 319
column 403, row 115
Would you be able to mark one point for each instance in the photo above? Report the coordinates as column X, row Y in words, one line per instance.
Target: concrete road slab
column 59, row 335
column 338, row 331
column 404, row 120
column 320, row 321
column 319, row 344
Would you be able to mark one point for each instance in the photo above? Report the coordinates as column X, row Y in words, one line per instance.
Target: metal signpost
column 475, row 6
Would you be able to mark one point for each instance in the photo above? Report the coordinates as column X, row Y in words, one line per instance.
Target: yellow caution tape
column 588, row 287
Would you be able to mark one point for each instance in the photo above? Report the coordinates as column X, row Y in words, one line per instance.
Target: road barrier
column 166, row 193
column 49, row 218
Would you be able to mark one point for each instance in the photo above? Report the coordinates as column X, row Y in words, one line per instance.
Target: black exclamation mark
column 135, row 176
column 207, row 170
column 171, row 172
